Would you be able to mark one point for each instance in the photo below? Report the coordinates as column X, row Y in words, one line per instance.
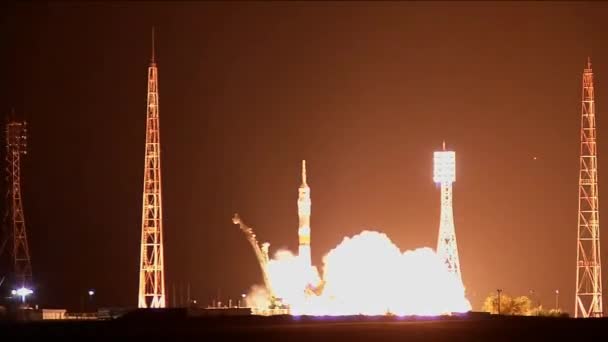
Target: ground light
column 22, row 292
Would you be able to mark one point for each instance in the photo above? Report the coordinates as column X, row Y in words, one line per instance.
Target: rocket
column 304, row 220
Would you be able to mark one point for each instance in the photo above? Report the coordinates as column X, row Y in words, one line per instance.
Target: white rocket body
column 304, row 221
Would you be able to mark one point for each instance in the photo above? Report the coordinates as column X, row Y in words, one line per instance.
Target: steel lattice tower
column 151, row 273
column 445, row 175
column 16, row 138
column 588, row 264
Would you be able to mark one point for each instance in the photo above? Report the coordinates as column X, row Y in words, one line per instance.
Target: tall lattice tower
column 445, row 175
column 151, row 273
column 588, row 264
column 16, row 143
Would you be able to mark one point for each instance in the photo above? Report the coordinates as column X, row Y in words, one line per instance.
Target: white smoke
column 367, row 274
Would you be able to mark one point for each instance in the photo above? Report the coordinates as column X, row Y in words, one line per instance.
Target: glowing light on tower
column 445, row 175
column 304, row 218
column 22, row 292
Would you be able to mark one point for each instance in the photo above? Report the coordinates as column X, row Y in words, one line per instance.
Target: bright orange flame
column 367, row 274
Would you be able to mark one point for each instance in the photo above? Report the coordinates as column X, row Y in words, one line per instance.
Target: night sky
column 365, row 92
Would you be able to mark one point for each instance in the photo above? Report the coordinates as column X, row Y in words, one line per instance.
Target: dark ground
column 176, row 327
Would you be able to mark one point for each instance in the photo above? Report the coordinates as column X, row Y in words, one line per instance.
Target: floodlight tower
column 445, row 175
column 588, row 301
column 304, row 220
column 16, row 138
column 151, row 273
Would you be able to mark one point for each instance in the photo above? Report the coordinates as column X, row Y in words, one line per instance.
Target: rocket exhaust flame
column 366, row 274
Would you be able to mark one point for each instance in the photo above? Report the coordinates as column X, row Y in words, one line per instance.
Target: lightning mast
column 445, row 175
column 588, row 266
column 16, row 138
column 151, row 273
column 304, row 220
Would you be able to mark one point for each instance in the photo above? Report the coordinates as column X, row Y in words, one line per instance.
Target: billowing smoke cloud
column 367, row 274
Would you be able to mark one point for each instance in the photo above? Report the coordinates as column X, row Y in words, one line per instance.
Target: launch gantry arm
column 260, row 252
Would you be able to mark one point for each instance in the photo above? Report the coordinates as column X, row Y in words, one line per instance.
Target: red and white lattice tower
column 151, row 273
column 588, row 264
